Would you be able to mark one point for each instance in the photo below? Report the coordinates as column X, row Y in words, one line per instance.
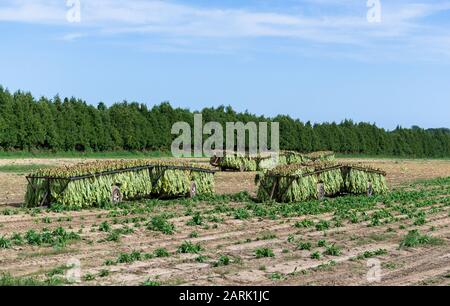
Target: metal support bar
column 81, row 177
column 330, row 169
column 155, row 181
column 46, row 200
column 309, row 173
column 367, row 170
column 273, row 188
column 291, row 180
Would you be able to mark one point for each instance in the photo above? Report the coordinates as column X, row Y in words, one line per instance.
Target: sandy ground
column 238, row 239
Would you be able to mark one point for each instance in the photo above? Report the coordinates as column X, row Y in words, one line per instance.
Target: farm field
column 229, row 239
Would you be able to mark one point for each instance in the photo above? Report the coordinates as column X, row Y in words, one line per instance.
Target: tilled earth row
column 237, row 240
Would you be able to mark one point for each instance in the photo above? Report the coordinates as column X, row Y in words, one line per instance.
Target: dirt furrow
column 92, row 254
column 172, row 269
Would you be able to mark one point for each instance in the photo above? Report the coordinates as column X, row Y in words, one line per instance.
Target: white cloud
column 402, row 21
column 73, row 36
column 38, row 11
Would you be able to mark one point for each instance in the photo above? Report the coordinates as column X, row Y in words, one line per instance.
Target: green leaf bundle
column 300, row 182
column 163, row 178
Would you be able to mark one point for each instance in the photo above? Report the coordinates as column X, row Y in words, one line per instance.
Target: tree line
column 71, row 124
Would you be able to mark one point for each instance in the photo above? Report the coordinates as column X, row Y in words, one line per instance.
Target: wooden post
column 273, row 188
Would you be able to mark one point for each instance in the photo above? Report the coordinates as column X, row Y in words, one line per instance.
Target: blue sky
column 314, row 60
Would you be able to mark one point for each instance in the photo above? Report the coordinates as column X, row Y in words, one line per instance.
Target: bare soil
column 237, row 239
